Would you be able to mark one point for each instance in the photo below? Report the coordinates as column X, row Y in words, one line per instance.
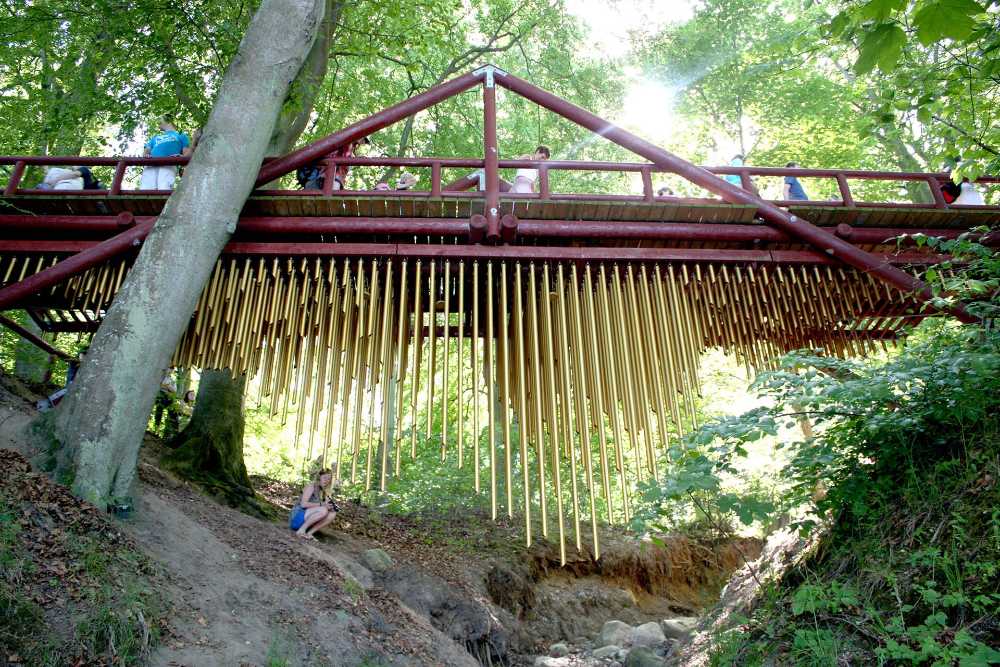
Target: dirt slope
column 246, row 592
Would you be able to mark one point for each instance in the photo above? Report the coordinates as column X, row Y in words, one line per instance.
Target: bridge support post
column 492, row 157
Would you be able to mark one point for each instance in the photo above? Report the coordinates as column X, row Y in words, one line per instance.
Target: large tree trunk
column 92, row 439
column 209, row 450
column 219, row 393
column 31, row 364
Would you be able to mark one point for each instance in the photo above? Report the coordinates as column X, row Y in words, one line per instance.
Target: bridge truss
column 549, row 341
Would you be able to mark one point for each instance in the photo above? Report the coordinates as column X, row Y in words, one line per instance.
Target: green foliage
column 882, row 46
column 114, row 618
column 901, row 474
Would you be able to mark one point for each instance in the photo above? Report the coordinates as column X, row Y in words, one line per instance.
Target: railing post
column 845, row 190
column 15, row 179
column 329, row 176
column 647, row 184
column 745, row 181
column 543, row 181
column 935, row 187
column 116, row 182
column 435, row 179
column 492, row 156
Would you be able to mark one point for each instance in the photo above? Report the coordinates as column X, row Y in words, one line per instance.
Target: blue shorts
column 297, row 518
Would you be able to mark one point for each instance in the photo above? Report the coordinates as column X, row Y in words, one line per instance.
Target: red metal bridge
column 580, row 315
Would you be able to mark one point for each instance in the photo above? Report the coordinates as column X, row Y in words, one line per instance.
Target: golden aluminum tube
column 432, row 347
column 604, row 312
column 642, row 346
column 581, row 400
column 505, row 388
column 445, row 403
column 489, row 378
column 460, row 360
column 401, row 335
column 669, row 337
column 357, row 379
column 387, row 370
column 376, row 366
column 567, row 411
column 475, row 371
column 654, row 374
column 548, row 363
column 618, row 348
column 522, row 401
column 418, row 326
column 597, row 405
column 536, row 396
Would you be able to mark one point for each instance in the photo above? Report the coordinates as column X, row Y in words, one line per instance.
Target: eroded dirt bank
column 378, row 588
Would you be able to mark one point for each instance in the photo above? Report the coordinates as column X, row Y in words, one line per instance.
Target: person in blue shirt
column 737, row 161
column 793, row 190
column 168, row 143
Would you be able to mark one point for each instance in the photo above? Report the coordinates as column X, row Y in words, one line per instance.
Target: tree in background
column 881, row 85
column 92, row 438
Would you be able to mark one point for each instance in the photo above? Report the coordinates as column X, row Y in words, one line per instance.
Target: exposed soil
column 243, row 591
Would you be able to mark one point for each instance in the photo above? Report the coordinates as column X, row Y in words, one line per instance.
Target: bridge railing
column 646, row 171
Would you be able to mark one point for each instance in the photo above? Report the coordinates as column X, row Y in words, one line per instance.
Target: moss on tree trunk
column 209, row 451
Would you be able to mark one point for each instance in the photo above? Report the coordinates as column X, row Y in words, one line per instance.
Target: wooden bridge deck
column 590, row 209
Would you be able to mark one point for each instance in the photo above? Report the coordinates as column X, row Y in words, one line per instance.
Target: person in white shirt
column 525, row 179
column 969, row 196
column 57, row 178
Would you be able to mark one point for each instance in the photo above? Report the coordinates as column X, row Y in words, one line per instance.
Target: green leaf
column 946, row 19
column 880, row 10
column 882, row 47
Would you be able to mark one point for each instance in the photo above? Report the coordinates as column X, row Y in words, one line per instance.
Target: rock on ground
column 559, row 650
column 377, row 560
column 606, row 651
column 643, row 657
column 648, row 634
column 679, row 628
column 614, row 632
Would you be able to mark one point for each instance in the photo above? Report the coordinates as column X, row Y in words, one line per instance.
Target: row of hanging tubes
column 568, row 353
column 605, row 352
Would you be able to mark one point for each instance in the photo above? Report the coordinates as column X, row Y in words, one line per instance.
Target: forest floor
column 218, row 587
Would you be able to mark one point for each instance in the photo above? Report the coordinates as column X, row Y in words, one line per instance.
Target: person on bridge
column 58, row 178
column 313, row 511
column 168, row 143
column 524, row 179
column 969, row 195
column 793, row 190
column 735, row 179
column 406, row 181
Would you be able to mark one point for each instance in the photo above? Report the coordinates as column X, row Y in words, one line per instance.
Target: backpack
column 89, row 182
column 950, row 191
column 309, row 172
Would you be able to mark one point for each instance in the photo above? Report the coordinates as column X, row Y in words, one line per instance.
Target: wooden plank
column 377, row 207
column 407, row 207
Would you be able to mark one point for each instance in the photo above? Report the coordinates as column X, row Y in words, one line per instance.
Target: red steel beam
column 69, row 267
column 318, row 149
column 69, row 223
column 533, row 228
column 801, row 229
column 35, row 340
column 589, row 253
column 584, row 253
